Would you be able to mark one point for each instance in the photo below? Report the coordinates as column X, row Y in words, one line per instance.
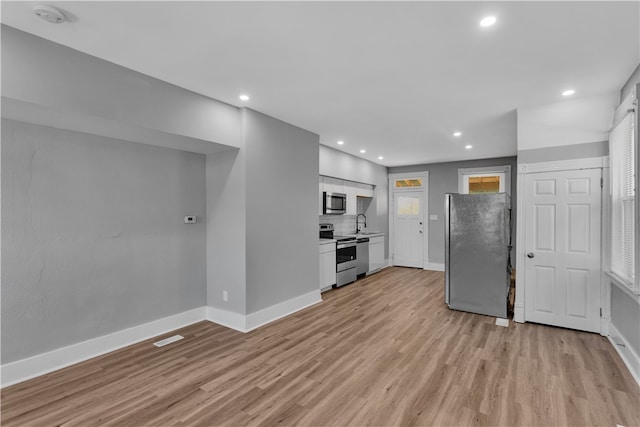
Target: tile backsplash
column 342, row 224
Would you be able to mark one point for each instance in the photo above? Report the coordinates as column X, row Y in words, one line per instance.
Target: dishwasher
column 362, row 256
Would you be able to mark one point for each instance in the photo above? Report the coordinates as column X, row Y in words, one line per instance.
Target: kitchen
column 101, row 168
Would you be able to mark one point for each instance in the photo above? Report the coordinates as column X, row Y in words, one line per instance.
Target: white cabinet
column 333, row 185
column 364, row 190
column 353, row 190
column 376, row 253
column 352, row 201
column 327, row 265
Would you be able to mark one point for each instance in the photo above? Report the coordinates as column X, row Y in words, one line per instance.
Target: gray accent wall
column 262, row 201
column 226, row 230
column 47, row 83
column 93, row 236
column 564, row 152
column 443, row 178
column 625, row 316
column 282, row 211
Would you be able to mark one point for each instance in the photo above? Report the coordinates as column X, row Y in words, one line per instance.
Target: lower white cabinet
column 327, row 265
column 376, row 253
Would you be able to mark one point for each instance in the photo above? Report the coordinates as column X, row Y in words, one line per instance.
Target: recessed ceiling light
column 468, row 147
column 488, row 21
column 363, row 151
column 244, row 97
column 380, row 158
column 568, row 92
column 340, row 142
column 457, row 133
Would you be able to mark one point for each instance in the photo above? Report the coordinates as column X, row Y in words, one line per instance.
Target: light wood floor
column 384, row 351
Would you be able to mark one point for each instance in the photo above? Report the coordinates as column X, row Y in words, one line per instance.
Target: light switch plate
column 190, row 219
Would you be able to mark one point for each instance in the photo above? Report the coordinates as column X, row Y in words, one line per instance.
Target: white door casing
column 395, row 190
column 562, row 243
column 408, row 213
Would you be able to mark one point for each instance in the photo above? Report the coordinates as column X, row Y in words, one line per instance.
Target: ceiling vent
column 49, row 14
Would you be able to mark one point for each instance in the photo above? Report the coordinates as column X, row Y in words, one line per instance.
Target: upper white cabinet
column 353, row 190
column 364, row 190
column 352, row 203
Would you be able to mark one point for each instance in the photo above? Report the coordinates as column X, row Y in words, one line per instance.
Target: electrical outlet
column 190, row 219
column 225, row 296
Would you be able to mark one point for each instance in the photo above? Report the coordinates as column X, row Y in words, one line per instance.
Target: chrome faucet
column 358, row 225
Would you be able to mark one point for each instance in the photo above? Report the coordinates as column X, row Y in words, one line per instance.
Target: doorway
column 407, row 226
column 562, row 248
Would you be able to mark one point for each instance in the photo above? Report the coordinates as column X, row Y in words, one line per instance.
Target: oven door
column 345, row 256
column 334, row 203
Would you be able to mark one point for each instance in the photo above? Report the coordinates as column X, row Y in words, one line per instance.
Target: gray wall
column 564, row 152
column 341, row 165
column 443, row 178
column 55, row 78
column 226, row 230
column 625, row 316
column 93, row 236
column 282, row 209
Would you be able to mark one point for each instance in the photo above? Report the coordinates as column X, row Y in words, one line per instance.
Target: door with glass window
column 408, row 229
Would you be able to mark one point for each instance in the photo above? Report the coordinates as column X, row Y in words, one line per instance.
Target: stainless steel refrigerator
column 477, row 250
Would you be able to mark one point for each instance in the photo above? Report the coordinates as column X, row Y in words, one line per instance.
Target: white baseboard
column 627, row 354
column 285, row 308
column 518, row 313
column 434, row 266
column 227, row 318
column 22, row 370
column 31, row 367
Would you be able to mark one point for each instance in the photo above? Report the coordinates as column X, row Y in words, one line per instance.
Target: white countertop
column 327, row 241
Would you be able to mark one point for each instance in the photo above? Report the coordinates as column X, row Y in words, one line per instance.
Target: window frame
column 628, row 106
column 483, row 171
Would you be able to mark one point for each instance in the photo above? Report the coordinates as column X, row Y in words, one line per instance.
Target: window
column 409, row 182
column 622, row 154
column 493, row 179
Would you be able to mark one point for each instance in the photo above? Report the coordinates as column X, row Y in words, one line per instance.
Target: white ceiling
column 395, row 78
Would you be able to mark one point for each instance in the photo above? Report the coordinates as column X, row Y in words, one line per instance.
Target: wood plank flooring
column 385, row 351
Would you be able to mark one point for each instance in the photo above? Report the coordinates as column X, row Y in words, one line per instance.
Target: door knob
column 420, row 231
column 531, row 255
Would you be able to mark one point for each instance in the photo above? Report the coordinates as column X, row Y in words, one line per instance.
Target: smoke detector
column 49, row 14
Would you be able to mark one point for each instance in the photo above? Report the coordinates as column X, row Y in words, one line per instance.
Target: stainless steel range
column 346, row 263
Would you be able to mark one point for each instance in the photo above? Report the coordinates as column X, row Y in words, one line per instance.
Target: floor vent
column 169, row 340
column 502, row 322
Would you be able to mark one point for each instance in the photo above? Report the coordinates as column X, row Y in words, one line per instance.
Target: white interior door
column 562, row 244
column 408, row 240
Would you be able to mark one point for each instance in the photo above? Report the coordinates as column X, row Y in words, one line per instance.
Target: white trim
column 563, row 165
column 518, row 312
column 434, row 266
column 627, row 354
column 22, row 370
column 552, row 166
column 518, row 308
column 285, row 308
column 425, row 211
column 229, row 319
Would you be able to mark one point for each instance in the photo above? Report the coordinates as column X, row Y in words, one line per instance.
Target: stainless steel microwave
column 334, row 203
